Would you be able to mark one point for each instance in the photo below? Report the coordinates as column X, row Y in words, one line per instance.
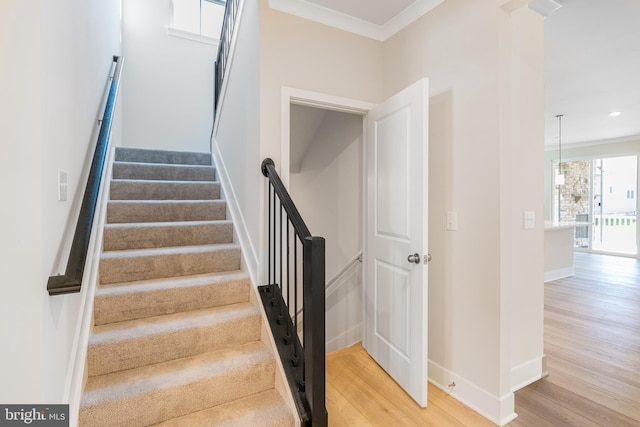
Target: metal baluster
column 269, row 242
column 288, row 335
column 273, row 222
column 295, row 361
column 281, row 314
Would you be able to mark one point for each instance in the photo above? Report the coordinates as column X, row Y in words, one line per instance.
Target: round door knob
column 414, row 259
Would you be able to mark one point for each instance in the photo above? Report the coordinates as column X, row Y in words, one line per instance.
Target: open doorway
column 325, row 180
column 602, row 192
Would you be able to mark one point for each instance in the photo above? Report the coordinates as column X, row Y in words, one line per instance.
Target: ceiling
column 592, row 67
column 592, row 57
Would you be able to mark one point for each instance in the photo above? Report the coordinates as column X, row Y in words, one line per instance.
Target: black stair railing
column 71, row 280
column 228, row 25
column 296, row 276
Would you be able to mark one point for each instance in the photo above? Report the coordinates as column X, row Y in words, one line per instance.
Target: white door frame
column 318, row 100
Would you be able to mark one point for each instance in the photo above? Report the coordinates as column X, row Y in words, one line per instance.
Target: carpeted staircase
column 176, row 340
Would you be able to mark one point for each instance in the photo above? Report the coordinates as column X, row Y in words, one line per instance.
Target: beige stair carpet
column 176, row 340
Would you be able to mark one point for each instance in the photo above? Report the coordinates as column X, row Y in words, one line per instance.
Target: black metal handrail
column 71, row 280
column 296, row 282
column 228, row 25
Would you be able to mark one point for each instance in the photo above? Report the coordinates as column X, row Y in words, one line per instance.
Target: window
column 197, row 17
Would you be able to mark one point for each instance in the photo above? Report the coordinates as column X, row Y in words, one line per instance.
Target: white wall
column 328, row 193
column 237, row 136
column 302, row 54
column 522, row 158
column 292, row 52
column 52, row 91
column 167, row 82
column 328, row 188
column 477, row 145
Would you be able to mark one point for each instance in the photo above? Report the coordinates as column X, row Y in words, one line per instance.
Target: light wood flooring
column 592, row 342
column 361, row 394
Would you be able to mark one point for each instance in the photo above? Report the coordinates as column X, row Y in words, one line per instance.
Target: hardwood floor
column 592, row 343
column 361, row 394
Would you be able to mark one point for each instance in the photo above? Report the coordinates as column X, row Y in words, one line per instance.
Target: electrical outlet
column 62, row 186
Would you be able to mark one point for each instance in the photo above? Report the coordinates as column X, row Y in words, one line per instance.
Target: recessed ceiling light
column 615, row 113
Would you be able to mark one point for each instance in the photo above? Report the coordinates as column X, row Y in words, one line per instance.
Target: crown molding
column 570, row 145
column 543, row 7
column 332, row 18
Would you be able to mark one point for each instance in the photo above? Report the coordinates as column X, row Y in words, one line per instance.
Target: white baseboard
column 78, row 358
column 559, row 274
column 345, row 339
column 499, row 410
column 239, row 225
column 526, row 373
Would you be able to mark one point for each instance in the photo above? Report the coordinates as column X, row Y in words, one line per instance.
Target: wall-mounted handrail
column 303, row 357
column 71, row 280
column 228, row 26
column 344, row 269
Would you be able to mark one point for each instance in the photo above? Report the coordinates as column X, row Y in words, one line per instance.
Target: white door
column 395, row 276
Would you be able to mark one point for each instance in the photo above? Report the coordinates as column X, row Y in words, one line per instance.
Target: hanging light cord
column 559, row 116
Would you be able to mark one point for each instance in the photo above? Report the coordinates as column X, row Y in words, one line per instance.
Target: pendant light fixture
column 560, row 175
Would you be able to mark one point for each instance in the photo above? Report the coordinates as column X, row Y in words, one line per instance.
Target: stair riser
column 129, row 212
column 163, row 172
column 141, row 190
column 267, row 407
column 138, row 305
column 177, row 400
column 131, row 353
column 126, row 269
column 146, row 237
column 160, row 156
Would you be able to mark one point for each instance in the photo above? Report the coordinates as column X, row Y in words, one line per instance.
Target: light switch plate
column 62, row 186
column 452, row 221
column 529, row 220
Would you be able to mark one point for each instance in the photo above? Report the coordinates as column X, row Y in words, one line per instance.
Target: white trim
column 345, row 339
column 78, row 358
column 408, row 16
column 496, row 409
column 333, row 18
column 308, row 98
column 526, row 373
column 569, row 146
column 177, row 32
column 561, row 273
column 266, row 336
column 545, row 7
column 249, row 253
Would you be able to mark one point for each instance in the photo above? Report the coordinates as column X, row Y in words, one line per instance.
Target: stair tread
column 169, row 282
column 265, row 409
column 166, row 201
column 133, row 154
column 157, row 325
column 123, row 385
column 122, row 301
column 169, row 250
column 170, row 165
column 163, row 181
column 168, row 223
